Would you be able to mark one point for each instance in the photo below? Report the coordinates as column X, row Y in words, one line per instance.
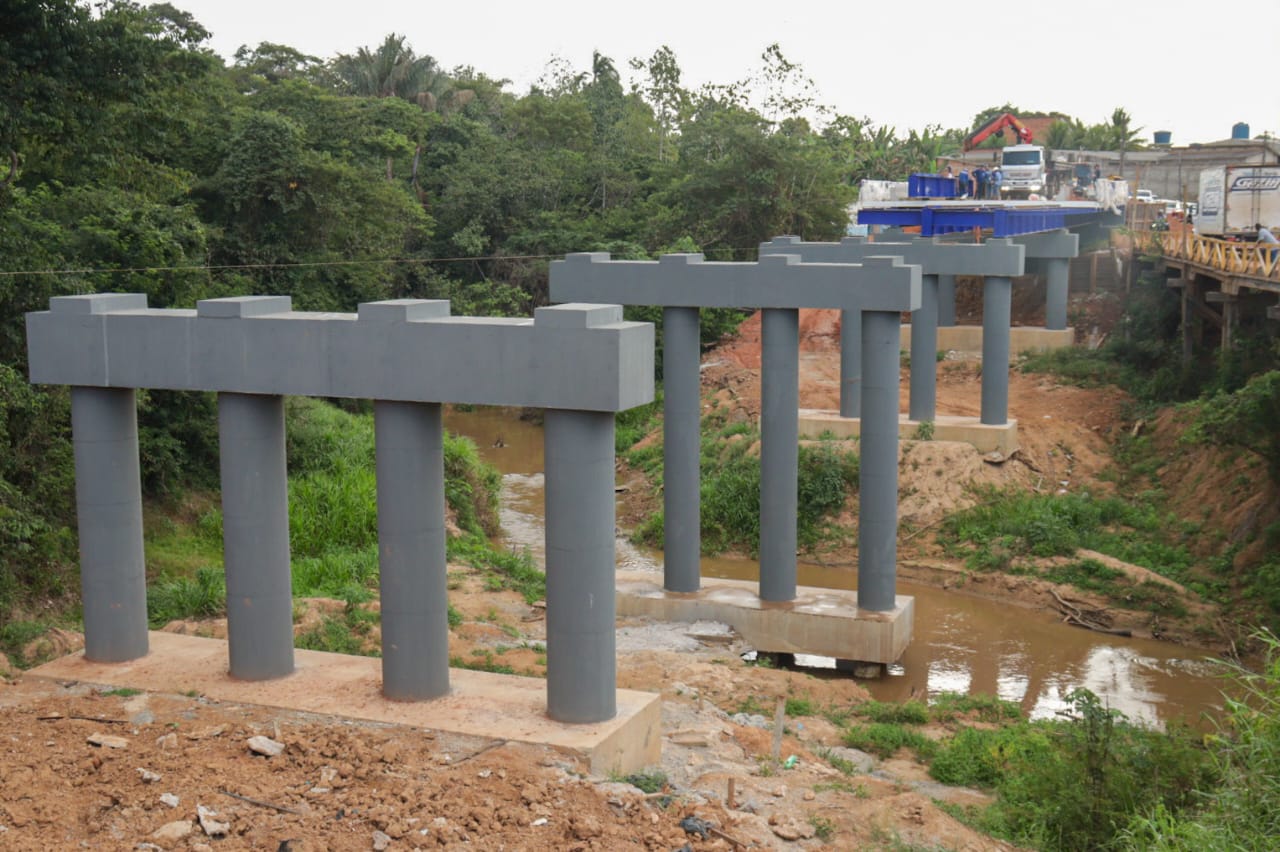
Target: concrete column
column 779, row 451
column 581, row 661
column 997, row 295
column 104, row 435
column 878, row 477
column 924, row 352
column 411, row 550
column 1055, row 311
column 681, row 436
column 255, row 535
column 946, row 300
column 850, row 363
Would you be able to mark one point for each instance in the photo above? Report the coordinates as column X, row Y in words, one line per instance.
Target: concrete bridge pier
column 681, row 449
column 779, row 451
column 581, row 607
column 923, row 390
column 946, row 300
column 878, row 476
column 104, row 436
column 255, row 535
column 850, row 363
column 413, row 582
column 1055, row 312
column 997, row 297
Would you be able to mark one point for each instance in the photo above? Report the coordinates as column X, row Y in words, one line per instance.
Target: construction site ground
column 342, row 784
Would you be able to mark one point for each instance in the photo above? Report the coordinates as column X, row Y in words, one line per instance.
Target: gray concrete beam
column 946, row 300
column 778, row 281
column 1061, row 243
column 569, row 356
column 932, row 255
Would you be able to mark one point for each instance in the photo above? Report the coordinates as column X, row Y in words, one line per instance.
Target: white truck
column 1023, row 170
column 1235, row 198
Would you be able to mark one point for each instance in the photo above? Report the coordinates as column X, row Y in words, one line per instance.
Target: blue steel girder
column 1002, row 221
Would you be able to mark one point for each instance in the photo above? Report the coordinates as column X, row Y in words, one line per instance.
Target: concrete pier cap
column 581, row 362
column 879, row 287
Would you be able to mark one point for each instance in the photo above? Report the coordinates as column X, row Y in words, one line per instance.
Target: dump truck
column 1233, row 199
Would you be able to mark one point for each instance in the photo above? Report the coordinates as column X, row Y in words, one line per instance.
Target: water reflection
column 961, row 643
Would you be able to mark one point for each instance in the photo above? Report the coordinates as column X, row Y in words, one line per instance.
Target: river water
column 961, row 643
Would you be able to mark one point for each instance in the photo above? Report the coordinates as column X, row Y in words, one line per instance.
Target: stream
column 961, row 643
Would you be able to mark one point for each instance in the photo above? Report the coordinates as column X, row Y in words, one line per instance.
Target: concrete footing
column 1001, row 438
column 821, row 622
column 480, row 704
column 968, row 338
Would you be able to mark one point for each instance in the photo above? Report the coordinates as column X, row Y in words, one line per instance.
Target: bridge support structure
column 580, row 362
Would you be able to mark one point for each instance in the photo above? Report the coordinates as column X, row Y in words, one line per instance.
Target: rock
column 172, row 832
column 55, row 643
column 390, row 753
column 211, row 826
column 809, row 795
column 586, row 827
column 169, row 799
column 862, row 762
column 107, row 741
column 265, row 746
column 167, row 741
column 380, row 841
column 148, row 777
column 789, row 827
column 780, row 792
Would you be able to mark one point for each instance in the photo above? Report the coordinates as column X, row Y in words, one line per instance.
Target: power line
column 302, row 264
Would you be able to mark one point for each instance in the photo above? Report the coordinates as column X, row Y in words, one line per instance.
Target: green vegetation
column 886, row 738
column 730, row 489
column 1009, row 531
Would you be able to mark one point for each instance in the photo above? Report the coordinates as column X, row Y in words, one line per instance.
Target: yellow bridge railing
column 1239, row 259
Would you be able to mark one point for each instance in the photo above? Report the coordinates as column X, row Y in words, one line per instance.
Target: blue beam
column 1000, row 220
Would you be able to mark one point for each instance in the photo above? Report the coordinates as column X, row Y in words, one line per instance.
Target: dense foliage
column 134, row 159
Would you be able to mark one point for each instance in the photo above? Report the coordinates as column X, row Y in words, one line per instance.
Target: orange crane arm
column 996, row 125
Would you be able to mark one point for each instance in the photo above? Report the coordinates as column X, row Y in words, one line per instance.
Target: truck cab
column 1024, row 171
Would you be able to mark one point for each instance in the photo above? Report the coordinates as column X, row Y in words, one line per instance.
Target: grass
column 122, row 692
column 884, row 739
column 1010, row 529
column 949, row 705
column 893, row 713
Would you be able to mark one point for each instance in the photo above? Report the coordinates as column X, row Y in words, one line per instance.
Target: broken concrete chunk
column 169, row 799
column 172, row 832
column 381, row 841
column 211, row 826
column 148, row 776
column 265, row 746
column 107, row 741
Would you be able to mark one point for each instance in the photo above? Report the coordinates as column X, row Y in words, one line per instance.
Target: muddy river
column 961, row 643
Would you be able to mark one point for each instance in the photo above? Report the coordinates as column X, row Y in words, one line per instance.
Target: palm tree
column 392, row 70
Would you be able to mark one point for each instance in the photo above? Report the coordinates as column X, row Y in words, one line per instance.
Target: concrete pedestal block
column 820, row 622
column 480, row 704
column 1002, row 438
column 968, row 338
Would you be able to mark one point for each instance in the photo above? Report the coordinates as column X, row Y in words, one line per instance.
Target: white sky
column 1170, row 63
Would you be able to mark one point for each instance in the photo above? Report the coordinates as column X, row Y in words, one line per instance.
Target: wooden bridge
column 1243, row 278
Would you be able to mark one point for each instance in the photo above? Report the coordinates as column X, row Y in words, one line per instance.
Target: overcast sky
column 907, row 65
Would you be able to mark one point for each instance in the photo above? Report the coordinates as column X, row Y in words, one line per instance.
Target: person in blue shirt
column 980, row 179
column 964, row 183
column 997, row 178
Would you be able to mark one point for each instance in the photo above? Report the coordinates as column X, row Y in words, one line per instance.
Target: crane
column 997, row 126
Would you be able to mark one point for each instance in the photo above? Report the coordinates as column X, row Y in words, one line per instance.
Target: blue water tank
column 1239, row 130
column 1163, row 137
